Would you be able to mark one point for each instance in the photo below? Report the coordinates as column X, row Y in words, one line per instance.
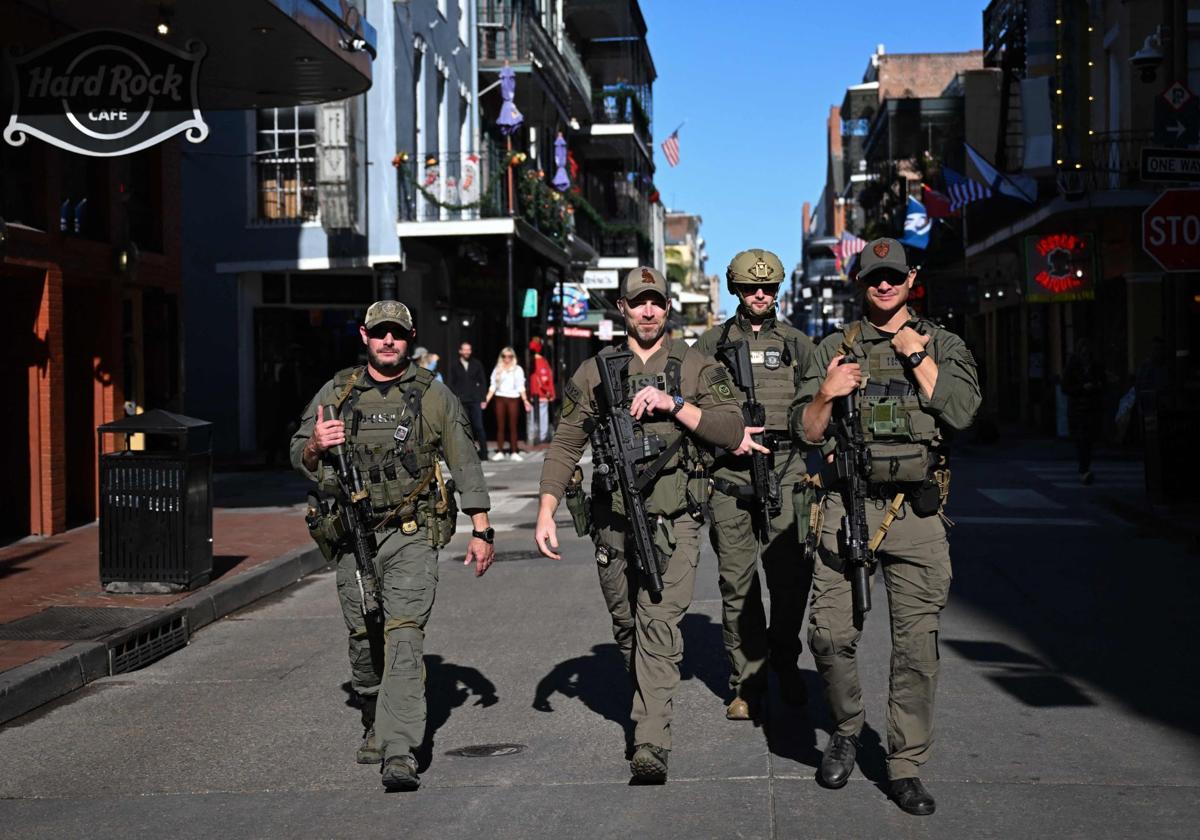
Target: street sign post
column 1171, row 230
column 1177, row 117
column 1170, row 165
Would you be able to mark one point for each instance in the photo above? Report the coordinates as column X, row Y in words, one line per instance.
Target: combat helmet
column 753, row 267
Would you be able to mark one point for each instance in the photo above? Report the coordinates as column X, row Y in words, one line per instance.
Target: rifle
column 764, row 483
column 851, row 466
column 354, row 511
column 618, row 445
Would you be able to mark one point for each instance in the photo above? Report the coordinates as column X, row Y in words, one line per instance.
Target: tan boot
column 739, row 709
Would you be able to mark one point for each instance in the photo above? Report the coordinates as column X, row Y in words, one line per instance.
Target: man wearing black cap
column 395, row 422
column 918, row 385
column 686, row 400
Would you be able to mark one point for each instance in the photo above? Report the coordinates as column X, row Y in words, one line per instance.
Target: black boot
column 838, row 762
column 912, row 797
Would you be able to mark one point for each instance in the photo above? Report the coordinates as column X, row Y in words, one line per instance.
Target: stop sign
column 1171, row 230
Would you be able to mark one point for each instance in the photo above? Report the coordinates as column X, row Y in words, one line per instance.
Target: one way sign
column 1177, row 117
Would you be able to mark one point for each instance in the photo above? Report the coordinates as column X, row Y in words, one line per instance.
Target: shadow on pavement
column 1025, row 677
column 598, row 679
column 448, row 686
column 791, row 731
column 222, row 564
column 704, row 654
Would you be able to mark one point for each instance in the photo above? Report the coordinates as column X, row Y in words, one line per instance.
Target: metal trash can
column 156, row 504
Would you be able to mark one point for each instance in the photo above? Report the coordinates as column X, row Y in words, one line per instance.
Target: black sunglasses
column 893, row 278
column 380, row 331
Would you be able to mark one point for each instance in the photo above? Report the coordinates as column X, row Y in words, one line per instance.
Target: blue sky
column 754, row 81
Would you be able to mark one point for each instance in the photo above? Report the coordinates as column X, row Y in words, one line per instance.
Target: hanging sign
column 1059, row 266
column 105, row 93
column 530, row 307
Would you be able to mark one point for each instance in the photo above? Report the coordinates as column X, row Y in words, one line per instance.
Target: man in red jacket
column 541, row 394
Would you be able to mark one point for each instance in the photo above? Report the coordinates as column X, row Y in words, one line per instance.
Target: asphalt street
column 1067, row 702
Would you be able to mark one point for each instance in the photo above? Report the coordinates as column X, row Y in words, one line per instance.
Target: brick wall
column 922, row 74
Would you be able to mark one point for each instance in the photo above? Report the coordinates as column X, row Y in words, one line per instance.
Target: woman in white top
column 508, row 389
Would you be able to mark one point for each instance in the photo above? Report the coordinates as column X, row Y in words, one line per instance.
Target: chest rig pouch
column 899, row 434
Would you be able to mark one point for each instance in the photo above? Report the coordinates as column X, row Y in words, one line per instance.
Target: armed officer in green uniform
column 680, row 399
column 742, row 516
column 395, row 422
column 918, row 385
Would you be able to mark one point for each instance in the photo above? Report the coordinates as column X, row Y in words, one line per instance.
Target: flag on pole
column 1023, row 187
column 963, row 190
column 847, row 248
column 937, row 204
column 917, row 226
column 670, row 147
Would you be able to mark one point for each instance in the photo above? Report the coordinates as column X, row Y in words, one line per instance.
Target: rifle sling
column 656, row 465
column 892, row 512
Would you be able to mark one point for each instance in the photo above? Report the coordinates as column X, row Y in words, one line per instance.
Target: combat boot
column 400, row 773
column 368, row 751
column 838, row 761
column 649, row 764
column 739, row 709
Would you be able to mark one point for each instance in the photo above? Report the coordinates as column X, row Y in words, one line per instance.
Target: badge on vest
column 408, row 527
column 772, row 358
column 401, row 433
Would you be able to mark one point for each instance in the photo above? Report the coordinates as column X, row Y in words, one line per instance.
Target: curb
column 24, row 688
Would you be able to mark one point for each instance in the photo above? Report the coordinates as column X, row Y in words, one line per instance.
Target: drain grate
column 148, row 645
column 524, row 554
column 74, row 624
column 487, row 750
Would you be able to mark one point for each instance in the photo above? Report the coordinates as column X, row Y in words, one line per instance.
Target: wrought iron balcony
column 1115, row 159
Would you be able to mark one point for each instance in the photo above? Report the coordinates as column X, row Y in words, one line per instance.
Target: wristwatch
column 487, row 534
column 914, row 359
column 678, row 405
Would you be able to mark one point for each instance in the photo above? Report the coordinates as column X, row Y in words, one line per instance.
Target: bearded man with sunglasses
column 395, row 422
column 917, row 384
column 746, row 526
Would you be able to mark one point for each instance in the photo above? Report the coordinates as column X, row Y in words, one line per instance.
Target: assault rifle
column 851, row 466
column 764, row 483
column 618, row 445
column 354, row 510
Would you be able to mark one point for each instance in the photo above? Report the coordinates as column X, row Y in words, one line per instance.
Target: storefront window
column 285, row 164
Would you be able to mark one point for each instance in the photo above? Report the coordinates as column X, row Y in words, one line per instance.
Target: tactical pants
column 749, row 642
column 647, row 632
column 915, row 559
column 408, row 573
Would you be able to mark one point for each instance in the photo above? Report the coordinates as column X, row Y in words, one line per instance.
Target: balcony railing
column 1115, row 159
column 621, row 104
column 583, row 82
column 463, row 187
column 511, row 31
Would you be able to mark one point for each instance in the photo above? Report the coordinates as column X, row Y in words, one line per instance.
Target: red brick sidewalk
column 64, row 570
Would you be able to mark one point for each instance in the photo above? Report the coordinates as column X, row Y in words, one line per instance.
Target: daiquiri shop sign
column 106, row 93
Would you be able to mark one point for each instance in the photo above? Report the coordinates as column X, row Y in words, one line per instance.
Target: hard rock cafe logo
column 105, row 93
column 881, row 250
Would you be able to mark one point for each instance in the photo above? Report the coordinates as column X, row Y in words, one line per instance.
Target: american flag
column 670, row 147
column 849, row 246
column 963, row 190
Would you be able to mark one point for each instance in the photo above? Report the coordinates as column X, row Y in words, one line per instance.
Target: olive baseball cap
column 642, row 279
column 388, row 312
column 882, row 253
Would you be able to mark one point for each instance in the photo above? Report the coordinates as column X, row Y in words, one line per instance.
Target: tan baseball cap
column 643, row 278
column 388, row 312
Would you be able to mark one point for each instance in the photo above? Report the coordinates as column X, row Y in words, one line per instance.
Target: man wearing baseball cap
column 916, row 385
column 687, row 401
column 394, row 421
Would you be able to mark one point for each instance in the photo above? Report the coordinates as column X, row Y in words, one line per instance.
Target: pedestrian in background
column 1083, row 384
column 469, row 383
column 508, row 389
column 541, row 395
column 428, row 361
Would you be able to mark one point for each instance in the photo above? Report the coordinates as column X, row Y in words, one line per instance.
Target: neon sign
column 1058, row 267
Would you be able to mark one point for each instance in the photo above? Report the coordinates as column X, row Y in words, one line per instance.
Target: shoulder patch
column 571, row 398
column 719, row 383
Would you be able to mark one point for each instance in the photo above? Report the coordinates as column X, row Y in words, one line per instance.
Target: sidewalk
column 59, row 629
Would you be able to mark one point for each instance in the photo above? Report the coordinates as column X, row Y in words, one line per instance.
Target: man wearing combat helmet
column 746, row 524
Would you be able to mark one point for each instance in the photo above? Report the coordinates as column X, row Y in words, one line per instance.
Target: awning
column 257, row 53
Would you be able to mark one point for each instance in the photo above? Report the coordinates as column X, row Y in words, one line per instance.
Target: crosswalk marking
column 1019, row 498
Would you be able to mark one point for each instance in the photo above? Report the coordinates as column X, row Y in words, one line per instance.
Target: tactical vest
column 775, row 358
column 898, row 432
column 668, row 492
column 386, row 439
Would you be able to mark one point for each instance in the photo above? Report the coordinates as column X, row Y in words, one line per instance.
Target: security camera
column 1150, row 56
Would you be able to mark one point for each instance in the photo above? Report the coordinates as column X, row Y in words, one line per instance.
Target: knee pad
column 662, row 638
column 404, row 645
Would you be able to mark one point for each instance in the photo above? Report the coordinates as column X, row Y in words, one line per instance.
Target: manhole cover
column 74, row 623
column 486, row 750
column 524, row 554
